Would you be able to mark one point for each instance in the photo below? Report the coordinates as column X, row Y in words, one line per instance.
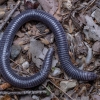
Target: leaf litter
column 81, row 22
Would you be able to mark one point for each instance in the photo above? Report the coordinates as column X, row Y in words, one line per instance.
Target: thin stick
column 60, row 79
column 89, row 5
column 62, row 91
column 10, row 14
column 22, row 92
column 15, row 62
column 50, row 92
column 21, row 66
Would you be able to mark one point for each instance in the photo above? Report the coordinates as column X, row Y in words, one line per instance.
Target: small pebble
column 66, row 85
column 25, row 65
column 15, row 51
column 54, row 62
column 56, row 72
column 27, row 97
column 35, row 97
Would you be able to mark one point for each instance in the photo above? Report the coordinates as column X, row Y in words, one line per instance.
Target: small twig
column 91, row 89
column 15, row 62
column 50, row 92
column 10, row 14
column 60, row 79
column 89, row 5
column 22, row 92
column 39, row 36
column 18, row 70
column 59, row 7
column 62, row 91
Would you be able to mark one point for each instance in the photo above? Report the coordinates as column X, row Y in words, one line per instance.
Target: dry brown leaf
column 2, row 1
column 26, row 47
column 96, row 97
column 96, row 48
column 36, row 49
column 6, row 97
column 45, row 41
column 4, row 86
column 2, row 13
column 31, row 4
column 72, row 59
column 57, row 15
column 49, row 6
column 67, row 4
column 80, row 47
column 70, row 26
column 33, row 30
column 19, row 34
column 28, row 26
column 21, row 41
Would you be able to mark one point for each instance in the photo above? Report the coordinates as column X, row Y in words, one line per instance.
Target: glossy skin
column 62, row 47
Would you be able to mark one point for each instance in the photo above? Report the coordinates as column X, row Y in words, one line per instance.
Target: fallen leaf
column 20, row 34
column 15, row 14
column 33, row 30
column 36, row 49
column 31, row 4
column 91, row 30
column 6, row 97
column 57, row 14
column 2, row 1
column 67, row 4
column 80, row 47
column 96, row 48
column 85, row 98
column 66, row 85
column 96, row 97
column 21, row 41
column 45, row 41
column 49, row 6
column 2, row 13
column 97, row 15
column 4, row 86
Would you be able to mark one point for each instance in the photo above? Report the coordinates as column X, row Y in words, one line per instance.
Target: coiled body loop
column 61, row 43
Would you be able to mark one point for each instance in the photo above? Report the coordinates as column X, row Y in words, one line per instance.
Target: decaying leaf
column 4, row 86
column 36, row 49
column 49, row 38
column 31, row 4
column 67, row 4
column 2, row 13
column 97, row 63
column 6, row 97
column 97, row 15
column 66, row 85
column 96, row 48
column 21, row 41
column 20, row 34
column 49, row 6
column 96, row 97
column 20, row 60
column 80, row 46
column 85, row 98
column 92, row 30
column 2, row 1
column 45, row 41
column 54, row 62
column 57, row 14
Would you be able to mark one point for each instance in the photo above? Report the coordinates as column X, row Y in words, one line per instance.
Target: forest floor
column 81, row 22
